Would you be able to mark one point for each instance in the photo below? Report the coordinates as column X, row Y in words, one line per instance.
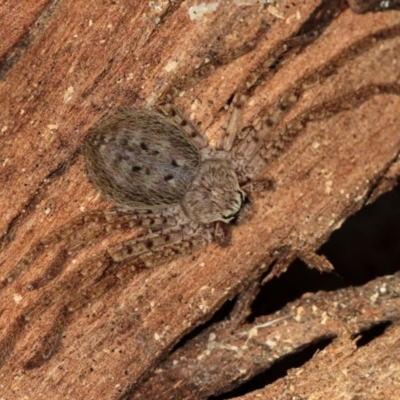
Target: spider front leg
column 261, row 145
column 229, row 135
column 255, row 138
column 241, row 149
column 270, row 150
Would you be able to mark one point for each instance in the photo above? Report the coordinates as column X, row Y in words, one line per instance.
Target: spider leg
column 269, row 151
column 227, row 139
column 187, row 126
column 249, row 147
column 114, row 266
column 108, row 221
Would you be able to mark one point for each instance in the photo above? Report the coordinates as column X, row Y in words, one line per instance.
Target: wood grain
column 94, row 57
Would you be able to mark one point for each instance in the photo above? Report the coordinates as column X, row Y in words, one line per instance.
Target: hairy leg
column 94, row 278
column 95, row 225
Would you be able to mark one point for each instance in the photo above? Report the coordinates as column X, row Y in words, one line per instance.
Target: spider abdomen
column 140, row 159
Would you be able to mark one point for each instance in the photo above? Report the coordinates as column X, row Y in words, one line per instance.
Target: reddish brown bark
column 91, row 58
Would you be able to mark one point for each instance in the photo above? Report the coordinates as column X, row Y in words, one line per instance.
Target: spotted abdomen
column 140, row 159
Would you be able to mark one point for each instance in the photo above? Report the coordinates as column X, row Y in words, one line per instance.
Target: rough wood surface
column 91, row 58
column 224, row 355
column 368, row 372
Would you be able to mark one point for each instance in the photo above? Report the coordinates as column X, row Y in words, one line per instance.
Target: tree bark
column 65, row 65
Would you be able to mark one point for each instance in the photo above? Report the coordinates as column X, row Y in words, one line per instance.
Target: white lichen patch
column 198, row 12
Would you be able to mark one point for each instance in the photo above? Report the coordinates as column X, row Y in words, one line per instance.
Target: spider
column 162, row 175
column 205, row 191
column 182, row 196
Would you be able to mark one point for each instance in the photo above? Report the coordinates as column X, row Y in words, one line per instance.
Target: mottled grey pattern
column 140, row 159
